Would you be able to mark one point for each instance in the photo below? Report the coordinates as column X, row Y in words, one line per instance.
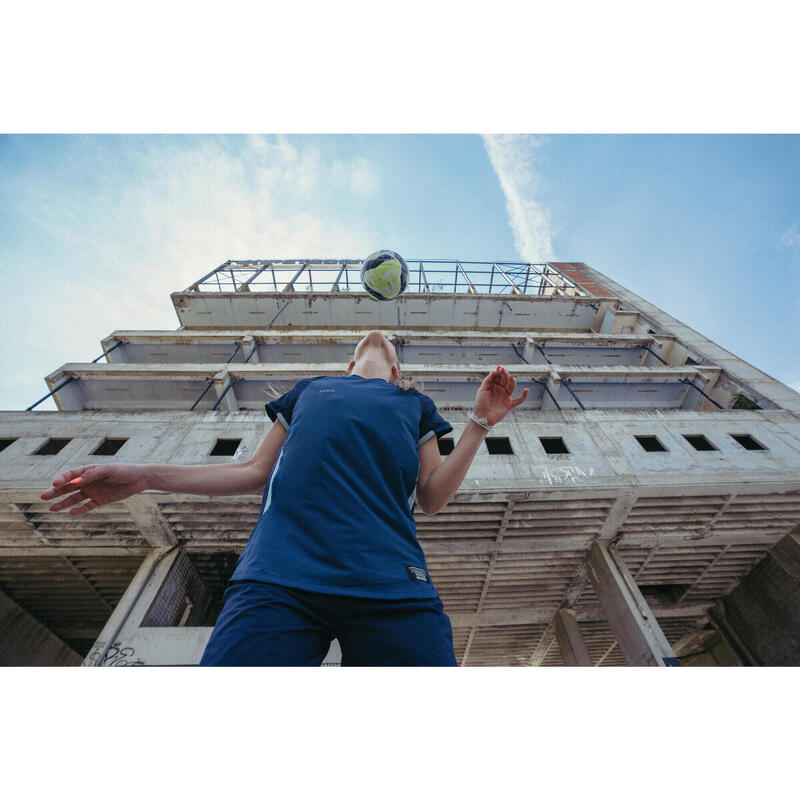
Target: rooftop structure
column 638, row 508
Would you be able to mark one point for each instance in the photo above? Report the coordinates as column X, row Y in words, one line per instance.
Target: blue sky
column 96, row 231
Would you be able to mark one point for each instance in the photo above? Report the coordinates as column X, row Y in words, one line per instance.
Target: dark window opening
column 225, row 447
column 689, row 361
column 699, row 442
column 5, row 443
column 553, row 445
column 52, row 447
column 108, row 447
column 667, row 594
column 499, row 446
column 748, row 442
column 651, row 444
column 445, row 446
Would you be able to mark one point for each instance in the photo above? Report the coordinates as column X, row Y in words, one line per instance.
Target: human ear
column 350, row 366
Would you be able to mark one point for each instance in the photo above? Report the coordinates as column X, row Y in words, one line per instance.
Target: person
column 334, row 554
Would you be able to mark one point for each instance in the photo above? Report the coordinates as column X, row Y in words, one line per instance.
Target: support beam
column 570, row 641
column 488, row 579
column 542, row 647
column 26, row 551
column 223, row 386
column 553, row 384
column 151, row 523
column 634, row 625
column 529, row 349
column 544, row 616
column 249, row 345
column 607, row 653
column 617, row 515
column 576, row 587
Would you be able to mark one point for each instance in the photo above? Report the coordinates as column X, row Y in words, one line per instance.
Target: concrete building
column 640, row 508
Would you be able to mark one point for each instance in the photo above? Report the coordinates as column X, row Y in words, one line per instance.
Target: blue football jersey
column 336, row 514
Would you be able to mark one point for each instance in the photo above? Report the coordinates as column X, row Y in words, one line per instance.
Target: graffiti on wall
column 116, row 656
column 571, row 474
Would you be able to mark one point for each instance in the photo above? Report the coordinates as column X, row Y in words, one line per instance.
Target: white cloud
column 511, row 157
column 791, row 238
column 135, row 222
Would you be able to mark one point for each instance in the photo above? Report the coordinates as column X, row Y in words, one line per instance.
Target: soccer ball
column 384, row 274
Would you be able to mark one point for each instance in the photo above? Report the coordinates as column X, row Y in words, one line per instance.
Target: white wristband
column 480, row 421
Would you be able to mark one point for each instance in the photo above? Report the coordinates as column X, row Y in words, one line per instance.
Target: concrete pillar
column 25, row 642
column 528, row 349
column 221, row 382
column 602, row 308
column 553, row 384
column 149, row 625
column 639, row 636
column 570, row 641
column 248, row 343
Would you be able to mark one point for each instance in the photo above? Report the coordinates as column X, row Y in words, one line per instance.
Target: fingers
column 504, row 379
column 49, row 494
column 72, row 479
column 69, row 475
column 508, row 383
column 73, row 499
column 84, row 509
column 521, row 399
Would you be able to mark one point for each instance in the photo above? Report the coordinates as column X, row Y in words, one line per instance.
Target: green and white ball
column 384, row 275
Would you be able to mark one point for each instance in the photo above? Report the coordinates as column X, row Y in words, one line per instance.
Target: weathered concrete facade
column 642, row 485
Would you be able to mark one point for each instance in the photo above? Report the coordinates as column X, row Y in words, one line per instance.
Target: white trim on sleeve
column 425, row 438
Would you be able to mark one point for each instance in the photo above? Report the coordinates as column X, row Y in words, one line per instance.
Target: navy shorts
column 263, row 624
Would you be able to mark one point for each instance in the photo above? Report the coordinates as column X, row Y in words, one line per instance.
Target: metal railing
column 433, row 276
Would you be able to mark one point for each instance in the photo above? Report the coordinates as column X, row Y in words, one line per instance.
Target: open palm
column 494, row 399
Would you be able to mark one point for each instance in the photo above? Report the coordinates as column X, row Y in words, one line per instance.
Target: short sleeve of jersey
column 281, row 408
column 431, row 422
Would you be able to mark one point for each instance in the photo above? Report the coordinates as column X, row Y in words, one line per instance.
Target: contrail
column 511, row 159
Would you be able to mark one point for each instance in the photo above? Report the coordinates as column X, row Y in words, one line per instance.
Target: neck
column 368, row 368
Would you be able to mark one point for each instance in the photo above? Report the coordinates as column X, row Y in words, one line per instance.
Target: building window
column 5, row 443
column 499, row 446
column 651, row 444
column 699, row 442
column 108, row 447
column 225, row 447
column 553, row 445
column 52, row 447
column 748, row 442
column 445, row 446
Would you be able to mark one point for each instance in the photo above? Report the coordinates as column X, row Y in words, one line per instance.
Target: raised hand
column 494, row 400
column 97, row 484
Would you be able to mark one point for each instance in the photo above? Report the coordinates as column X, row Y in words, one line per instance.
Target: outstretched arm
column 96, row 485
column 439, row 480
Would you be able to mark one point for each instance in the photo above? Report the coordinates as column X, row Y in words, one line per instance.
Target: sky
column 97, row 230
